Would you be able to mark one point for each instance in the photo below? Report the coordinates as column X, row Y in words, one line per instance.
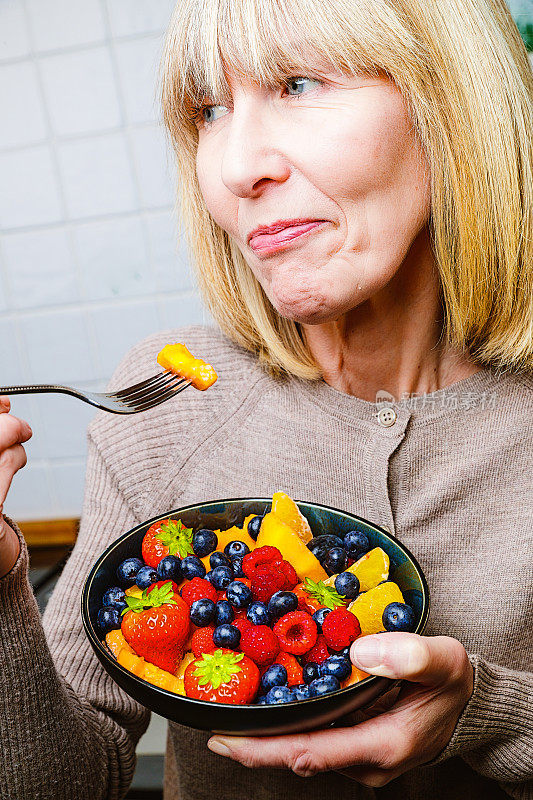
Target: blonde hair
column 464, row 74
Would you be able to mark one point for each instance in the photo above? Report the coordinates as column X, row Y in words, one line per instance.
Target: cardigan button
column 387, row 417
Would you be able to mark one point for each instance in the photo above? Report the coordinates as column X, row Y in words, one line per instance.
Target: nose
column 251, row 161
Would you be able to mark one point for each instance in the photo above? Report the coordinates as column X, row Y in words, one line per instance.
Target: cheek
column 217, row 198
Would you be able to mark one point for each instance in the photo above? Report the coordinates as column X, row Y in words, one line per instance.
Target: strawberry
column 156, row 626
column 295, row 674
column 340, row 628
column 323, row 595
column 223, row 676
column 297, row 632
column 166, row 537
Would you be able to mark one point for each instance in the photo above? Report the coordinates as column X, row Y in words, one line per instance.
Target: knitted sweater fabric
column 451, row 478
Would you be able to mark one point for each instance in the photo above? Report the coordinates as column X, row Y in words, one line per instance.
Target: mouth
column 271, row 238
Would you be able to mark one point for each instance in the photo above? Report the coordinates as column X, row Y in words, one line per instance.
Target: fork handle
column 37, row 389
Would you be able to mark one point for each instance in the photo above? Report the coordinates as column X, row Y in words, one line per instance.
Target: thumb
column 430, row 660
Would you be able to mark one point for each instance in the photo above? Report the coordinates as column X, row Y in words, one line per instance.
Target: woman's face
column 337, row 151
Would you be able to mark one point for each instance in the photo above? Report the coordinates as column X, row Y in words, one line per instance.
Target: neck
column 391, row 341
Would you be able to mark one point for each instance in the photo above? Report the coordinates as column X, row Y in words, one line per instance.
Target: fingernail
column 218, row 747
column 367, row 652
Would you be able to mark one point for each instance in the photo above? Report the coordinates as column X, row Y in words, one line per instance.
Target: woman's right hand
column 13, row 431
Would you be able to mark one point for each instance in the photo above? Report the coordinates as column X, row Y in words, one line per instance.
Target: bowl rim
column 98, row 645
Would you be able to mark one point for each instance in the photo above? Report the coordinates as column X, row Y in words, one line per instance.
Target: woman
column 369, row 235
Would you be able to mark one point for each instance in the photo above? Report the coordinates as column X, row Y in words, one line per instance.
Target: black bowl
column 252, row 720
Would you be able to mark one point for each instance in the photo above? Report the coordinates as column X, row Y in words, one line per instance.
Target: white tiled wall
column 90, row 257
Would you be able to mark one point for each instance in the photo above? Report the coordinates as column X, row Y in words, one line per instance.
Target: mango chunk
column 178, row 359
column 116, row 642
column 232, row 534
column 276, row 533
column 180, row 682
column 356, row 676
column 288, row 512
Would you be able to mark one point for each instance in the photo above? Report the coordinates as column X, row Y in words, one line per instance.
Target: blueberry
column 338, row 666
column 236, row 548
column 128, row 569
column 227, row 636
column 281, row 603
column 192, row 567
column 320, row 545
column 356, row 543
column 324, row 685
column 170, row 568
column 224, row 613
column 345, row 653
column 399, row 617
column 145, row 577
column 310, row 671
column 262, row 701
column 220, row 577
column 203, row 612
column 217, row 559
column 115, row 598
column 258, row 614
column 301, row 692
column 236, row 563
column 109, row 619
column 279, row 694
column 204, row 542
column 239, row 594
column 347, row 584
column 275, row 675
column 319, row 617
column 336, row 560
column 253, row 527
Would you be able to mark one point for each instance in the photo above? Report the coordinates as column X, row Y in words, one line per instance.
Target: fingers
column 5, row 403
column 13, row 431
column 11, row 461
column 370, row 743
column 429, row 660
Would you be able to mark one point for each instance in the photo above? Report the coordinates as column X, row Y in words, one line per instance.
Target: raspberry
column 197, row 589
column 296, row 632
column 261, row 555
column 319, row 652
column 260, row 644
column 291, row 578
column 202, row 640
column 340, row 628
column 267, row 579
column 295, row 673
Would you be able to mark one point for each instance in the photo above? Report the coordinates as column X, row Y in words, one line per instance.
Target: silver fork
column 140, row 397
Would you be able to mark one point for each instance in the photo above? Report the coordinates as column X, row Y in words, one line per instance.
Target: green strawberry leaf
column 158, row 596
column 217, row 668
column 325, row 595
column 176, row 537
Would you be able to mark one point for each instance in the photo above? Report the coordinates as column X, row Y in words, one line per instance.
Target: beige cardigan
column 452, row 478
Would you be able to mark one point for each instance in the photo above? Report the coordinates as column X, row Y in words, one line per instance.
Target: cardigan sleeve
column 68, row 731
column 494, row 733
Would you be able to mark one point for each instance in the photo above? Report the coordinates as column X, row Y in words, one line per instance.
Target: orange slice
column 369, row 606
column 371, row 569
column 176, row 358
column 288, row 512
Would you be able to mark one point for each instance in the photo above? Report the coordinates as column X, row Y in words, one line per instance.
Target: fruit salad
column 177, row 359
column 259, row 614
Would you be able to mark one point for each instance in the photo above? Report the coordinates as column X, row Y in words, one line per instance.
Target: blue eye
column 209, row 110
column 297, row 82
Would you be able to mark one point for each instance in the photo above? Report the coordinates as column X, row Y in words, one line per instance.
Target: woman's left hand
column 413, row 731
